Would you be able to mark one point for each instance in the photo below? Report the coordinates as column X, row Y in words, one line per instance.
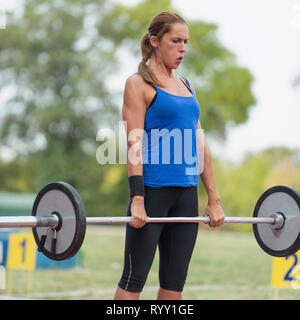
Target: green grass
column 225, row 265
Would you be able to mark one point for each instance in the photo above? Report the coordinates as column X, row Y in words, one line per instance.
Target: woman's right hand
column 138, row 213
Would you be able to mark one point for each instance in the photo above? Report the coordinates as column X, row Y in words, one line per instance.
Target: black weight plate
column 62, row 198
column 285, row 241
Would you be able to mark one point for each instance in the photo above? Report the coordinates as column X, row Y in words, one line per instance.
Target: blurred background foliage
column 55, row 58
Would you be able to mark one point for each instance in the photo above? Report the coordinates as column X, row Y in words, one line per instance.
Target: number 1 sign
column 21, row 252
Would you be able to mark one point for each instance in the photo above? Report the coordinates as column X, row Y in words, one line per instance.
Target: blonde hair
column 160, row 25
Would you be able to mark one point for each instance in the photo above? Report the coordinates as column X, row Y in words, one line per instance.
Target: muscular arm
column 133, row 113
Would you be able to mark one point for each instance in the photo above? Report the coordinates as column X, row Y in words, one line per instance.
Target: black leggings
column 176, row 241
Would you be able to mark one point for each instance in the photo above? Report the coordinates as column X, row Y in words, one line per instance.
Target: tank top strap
column 187, row 82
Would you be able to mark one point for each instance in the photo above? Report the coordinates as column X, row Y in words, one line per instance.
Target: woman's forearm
column 208, row 176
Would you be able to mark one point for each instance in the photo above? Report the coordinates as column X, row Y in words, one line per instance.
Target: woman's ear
column 153, row 41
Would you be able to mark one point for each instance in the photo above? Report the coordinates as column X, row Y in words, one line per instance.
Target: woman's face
column 172, row 46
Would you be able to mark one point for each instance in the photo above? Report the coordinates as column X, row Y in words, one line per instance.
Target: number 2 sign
column 286, row 271
column 21, row 251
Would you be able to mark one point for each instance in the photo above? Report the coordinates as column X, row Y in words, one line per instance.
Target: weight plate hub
column 61, row 199
column 286, row 240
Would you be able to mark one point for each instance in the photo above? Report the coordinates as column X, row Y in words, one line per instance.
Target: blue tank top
column 169, row 147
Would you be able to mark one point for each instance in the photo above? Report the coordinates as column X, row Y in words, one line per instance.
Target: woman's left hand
column 215, row 212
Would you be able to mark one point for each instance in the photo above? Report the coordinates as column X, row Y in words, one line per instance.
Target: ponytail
column 143, row 68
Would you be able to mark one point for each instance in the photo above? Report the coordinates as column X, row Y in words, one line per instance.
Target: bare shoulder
column 138, row 90
column 135, row 82
column 134, row 93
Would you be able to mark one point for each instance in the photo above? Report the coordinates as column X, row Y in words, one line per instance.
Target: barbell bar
column 28, row 221
column 59, row 221
column 277, row 220
column 53, row 221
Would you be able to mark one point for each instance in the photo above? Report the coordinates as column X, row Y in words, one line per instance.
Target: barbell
column 59, row 221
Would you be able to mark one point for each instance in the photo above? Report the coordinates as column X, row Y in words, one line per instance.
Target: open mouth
column 179, row 59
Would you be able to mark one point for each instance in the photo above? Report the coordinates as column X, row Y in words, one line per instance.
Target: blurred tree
column 53, row 57
column 16, row 176
column 55, row 64
column 223, row 88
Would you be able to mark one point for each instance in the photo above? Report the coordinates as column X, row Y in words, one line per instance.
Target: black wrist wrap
column 136, row 186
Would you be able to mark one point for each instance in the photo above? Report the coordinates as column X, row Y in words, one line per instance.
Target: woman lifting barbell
column 157, row 101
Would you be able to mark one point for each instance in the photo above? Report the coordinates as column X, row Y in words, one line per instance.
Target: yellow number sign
column 21, row 252
column 286, row 271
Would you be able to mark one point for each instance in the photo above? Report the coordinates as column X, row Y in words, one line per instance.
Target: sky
column 265, row 36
